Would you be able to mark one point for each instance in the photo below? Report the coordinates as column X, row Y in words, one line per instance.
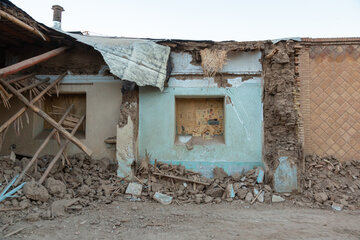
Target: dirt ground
column 149, row 220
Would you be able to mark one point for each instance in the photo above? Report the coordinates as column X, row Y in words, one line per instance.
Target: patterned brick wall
column 330, row 102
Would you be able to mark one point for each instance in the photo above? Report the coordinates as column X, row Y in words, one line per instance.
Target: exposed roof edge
column 136, row 60
column 331, row 40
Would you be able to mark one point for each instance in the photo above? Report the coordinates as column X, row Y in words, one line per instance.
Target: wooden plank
column 59, row 153
column 180, row 178
column 47, row 139
column 47, row 118
column 37, row 98
column 30, row 62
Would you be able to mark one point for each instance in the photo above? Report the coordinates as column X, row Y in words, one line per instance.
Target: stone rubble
column 327, row 183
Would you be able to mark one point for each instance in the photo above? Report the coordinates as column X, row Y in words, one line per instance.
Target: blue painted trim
column 82, row 78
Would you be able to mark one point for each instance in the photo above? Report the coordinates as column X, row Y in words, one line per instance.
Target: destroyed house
column 200, row 104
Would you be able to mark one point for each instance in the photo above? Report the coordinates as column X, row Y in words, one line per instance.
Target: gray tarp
column 141, row 61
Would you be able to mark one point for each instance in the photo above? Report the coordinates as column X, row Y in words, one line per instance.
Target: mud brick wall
column 329, row 74
column 281, row 115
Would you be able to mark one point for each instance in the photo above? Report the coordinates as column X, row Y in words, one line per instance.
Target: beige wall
column 103, row 102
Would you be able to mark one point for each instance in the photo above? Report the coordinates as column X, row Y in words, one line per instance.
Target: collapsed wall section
column 281, row 118
column 281, row 111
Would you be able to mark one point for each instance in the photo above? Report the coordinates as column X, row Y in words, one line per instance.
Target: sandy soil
column 150, row 220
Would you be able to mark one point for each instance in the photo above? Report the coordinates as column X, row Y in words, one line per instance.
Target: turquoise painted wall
column 243, row 128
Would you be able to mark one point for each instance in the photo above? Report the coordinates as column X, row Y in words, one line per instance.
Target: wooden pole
column 30, row 62
column 31, row 86
column 181, row 178
column 37, row 98
column 23, row 25
column 47, row 139
column 47, row 118
column 59, row 153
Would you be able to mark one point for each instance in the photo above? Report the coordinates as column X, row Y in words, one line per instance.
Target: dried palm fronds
column 5, row 96
column 212, row 60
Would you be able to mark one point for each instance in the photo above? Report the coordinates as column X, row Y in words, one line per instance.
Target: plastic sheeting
column 141, row 61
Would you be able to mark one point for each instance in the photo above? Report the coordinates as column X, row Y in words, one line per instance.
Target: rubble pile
column 85, row 180
column 185, row 186
column 330, row 183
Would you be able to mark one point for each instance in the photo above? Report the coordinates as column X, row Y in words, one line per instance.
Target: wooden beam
column 37, row 98
column 20, row 23
column 47, row 139
column 47, row 118
column 180, row 178
column 30, row 62
column 59, row 153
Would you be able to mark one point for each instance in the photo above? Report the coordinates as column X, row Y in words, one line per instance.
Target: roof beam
column 30, row 62
column 20, row 23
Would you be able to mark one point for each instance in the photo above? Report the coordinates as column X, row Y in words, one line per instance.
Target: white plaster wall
column 103, row 100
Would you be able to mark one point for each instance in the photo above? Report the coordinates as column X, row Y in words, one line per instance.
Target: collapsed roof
column 137, row 60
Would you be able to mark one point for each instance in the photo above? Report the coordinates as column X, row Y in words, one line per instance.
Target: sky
column 217, row 20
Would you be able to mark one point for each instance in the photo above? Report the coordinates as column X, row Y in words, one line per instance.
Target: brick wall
column 330, row 99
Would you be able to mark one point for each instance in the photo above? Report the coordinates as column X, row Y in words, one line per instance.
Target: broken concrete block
column 260, row 173
column 208, row 199
column 162, row 198
column 321, row 197
column 277, row 199
column 55, row 187
column 249, row 197
column 84, row 190
column 219, row 173
column 242, row 193
column 215, row 192
column 198, row 198
column 337, row 206
column 134, row 189
column 236, row 176
column 285, row 176
column 35, row 191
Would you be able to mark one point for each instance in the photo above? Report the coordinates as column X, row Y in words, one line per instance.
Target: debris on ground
column 36, row 192
column 162, row 198
column 277, row 199
column 329, row 183
column 134, row 189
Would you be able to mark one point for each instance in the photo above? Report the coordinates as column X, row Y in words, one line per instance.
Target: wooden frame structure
column 7, row 90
